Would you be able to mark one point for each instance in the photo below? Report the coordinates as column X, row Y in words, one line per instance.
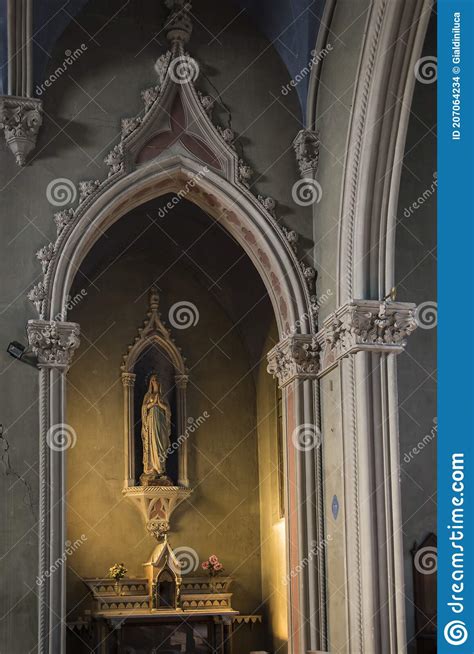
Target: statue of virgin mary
column 156, row 430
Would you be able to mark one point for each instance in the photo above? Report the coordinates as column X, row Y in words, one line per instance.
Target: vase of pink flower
column 213, row 567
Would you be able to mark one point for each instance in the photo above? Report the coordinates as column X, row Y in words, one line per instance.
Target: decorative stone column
column 181, row 382
column 20, row 113
column 294, row 361
column 54, row 344
column 128, row 382
column 358, row 344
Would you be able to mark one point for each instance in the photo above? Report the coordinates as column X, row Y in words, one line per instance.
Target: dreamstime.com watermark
column 193, row 425
column 316, row 57
column 187, row 560
column 306, row 191
column 70, row 549
column 183, row 70
column 182, row 193
column 426, row 69
column 61, row 437
column 426, row 560
column 320, row 302
column 424, row 197
column 456, row 632
column 61, row 191
column 183, row 314
column 306, row 437
column 316, row 549
column 71, row 303
column 425, row 441
column 71, row 57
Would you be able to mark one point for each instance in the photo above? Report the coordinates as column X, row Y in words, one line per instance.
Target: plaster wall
column 222, row 515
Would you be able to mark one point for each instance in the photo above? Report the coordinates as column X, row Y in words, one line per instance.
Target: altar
column 125, row 621
column 172, row 633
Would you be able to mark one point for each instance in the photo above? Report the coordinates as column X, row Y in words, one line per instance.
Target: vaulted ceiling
column 291, row 26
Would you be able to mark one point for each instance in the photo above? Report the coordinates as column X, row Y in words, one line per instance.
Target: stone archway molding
column 362, row 337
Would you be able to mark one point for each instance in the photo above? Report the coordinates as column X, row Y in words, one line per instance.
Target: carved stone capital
column 181, row 381
column 365, row 325
column 20, row 119
column 295, row 357
column 306, row 146
column 53, row 342
column 128, row 379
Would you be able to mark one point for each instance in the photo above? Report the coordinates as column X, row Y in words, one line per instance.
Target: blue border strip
column 455, row 326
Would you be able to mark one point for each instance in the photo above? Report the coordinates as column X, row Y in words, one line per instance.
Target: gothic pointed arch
column 173, row 146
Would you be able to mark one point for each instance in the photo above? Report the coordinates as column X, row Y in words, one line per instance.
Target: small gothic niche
column 164, row 579
column 154, row 368
column 154, row 379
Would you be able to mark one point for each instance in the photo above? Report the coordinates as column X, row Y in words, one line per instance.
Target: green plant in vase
column 117, row 572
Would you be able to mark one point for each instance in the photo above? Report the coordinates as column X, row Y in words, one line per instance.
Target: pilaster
column 358, row 346
column 21, row 115
column 54, row 344
column 294, row 361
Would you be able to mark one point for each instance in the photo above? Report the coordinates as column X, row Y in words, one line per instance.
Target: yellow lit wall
column 222, row 516
column 272, row 527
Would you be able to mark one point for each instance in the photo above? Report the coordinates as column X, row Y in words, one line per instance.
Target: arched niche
column 154, row 347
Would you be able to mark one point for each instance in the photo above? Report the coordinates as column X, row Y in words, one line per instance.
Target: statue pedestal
column 156, row 504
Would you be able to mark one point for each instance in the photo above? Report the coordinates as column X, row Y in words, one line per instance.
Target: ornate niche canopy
column 162, row 422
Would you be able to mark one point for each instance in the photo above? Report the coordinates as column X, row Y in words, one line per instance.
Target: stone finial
column 178, row 25
column 88, row 188
column 115, row 159
column 37, row 295
column 244, row 173
column 268, row 203
column 44, row 255
column 63, row 218
column 154, row 299
column 291, row 236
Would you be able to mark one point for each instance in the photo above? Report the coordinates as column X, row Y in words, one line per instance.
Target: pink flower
column 218, row 566
column 205, row 565
column 213, row 559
